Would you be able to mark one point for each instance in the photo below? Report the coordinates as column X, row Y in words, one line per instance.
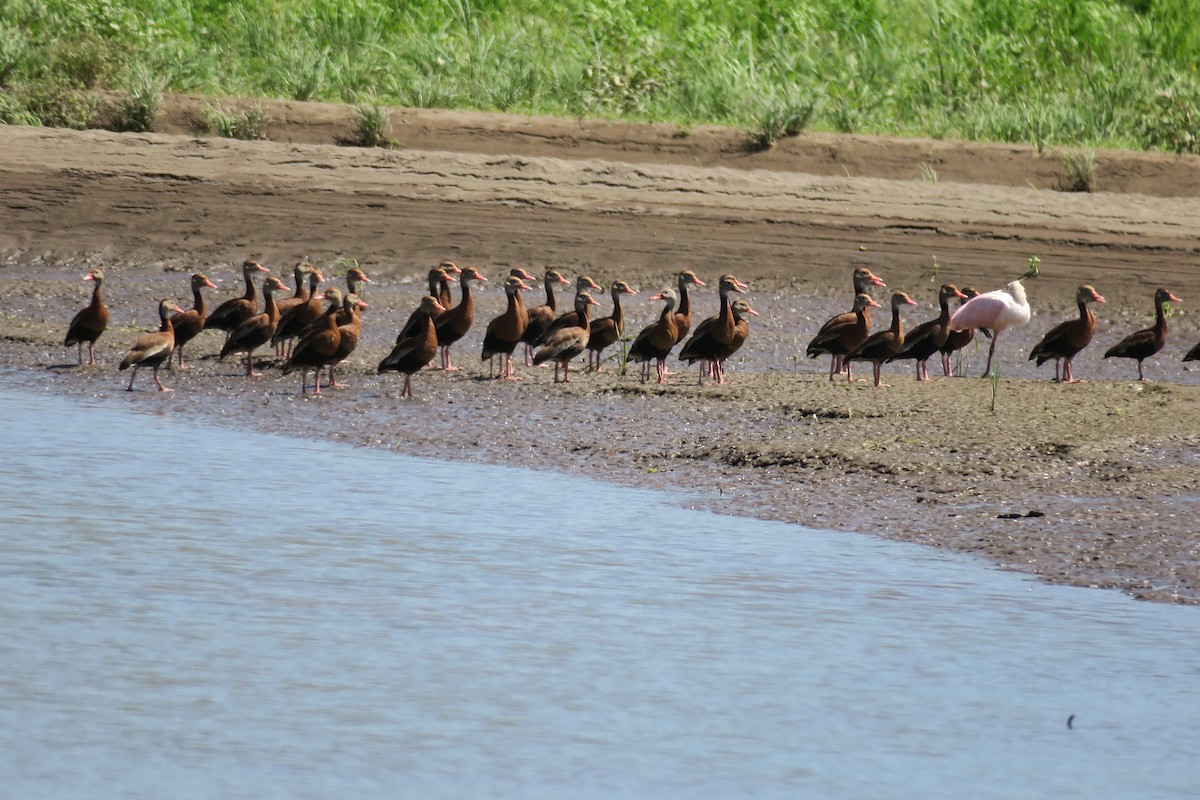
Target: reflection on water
column 192, row 612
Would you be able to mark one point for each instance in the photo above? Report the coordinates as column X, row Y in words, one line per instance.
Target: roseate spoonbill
column 1146, row 342
column 1064, row 341
column 995, row 310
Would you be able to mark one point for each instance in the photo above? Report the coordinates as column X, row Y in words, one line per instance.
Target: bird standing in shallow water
column 1145, row 343
column 90, row 322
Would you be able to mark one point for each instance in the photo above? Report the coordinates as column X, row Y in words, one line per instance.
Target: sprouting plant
column 143, row 95
column 248, row 123
column 995, row 386
column 937, row 268
column 1079, row 171
column 371, row 127
column 929, row 173
column 1034, row 271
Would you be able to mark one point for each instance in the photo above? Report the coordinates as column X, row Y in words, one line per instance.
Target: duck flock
column 313, row 331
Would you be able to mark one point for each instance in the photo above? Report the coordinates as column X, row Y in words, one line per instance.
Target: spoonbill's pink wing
column 983, row 311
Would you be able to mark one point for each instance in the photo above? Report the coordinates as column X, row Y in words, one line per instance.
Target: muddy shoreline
column 1112, row 466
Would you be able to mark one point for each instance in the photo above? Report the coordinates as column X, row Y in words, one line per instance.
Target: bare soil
column 1093, row 484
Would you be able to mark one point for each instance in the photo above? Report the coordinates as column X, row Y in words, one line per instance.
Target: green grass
column 1052, row 73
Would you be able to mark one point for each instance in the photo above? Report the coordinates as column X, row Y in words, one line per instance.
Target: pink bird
column 996, row 310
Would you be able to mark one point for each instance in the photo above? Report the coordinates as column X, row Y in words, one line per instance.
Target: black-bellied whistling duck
column 716, row 332
column 655, row 341
column 413, row 353
column 568, row 341
column 349, row 333
column 237, row 310
column 683, row 313
column 415, row 323
column 568, row 319
column 881, row 346
column 256, row 331
column 957, row 340
column 997, row 311
column 606, row 331
column 1147, row 342
column 319, row 347
column 741, row 331
column 705, row 347
column 1064, row 341
column 844, row 333
column 153, row 349
column 450, row 273
column 541, row 317
column 863, row 279
column 454, row 324
column 294, row 323
column 301, row 273
column 505, row 331
column 188, row 324
column 927, row 338
column 356, row 283
column 90, row 322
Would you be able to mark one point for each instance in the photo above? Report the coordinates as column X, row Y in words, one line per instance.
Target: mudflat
column 1094, row 483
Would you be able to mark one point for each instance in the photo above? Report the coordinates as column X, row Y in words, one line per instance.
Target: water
column 200, row 613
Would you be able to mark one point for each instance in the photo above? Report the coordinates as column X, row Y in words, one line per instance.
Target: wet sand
column 1111, row 465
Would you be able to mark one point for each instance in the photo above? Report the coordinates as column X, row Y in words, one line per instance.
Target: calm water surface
column 185, row 616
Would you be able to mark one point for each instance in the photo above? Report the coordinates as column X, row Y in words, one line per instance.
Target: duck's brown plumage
column 1064, row 341
column 256, row 331
column 957, row 340
column 454, row 324
column 153, row 349
column 188, row 324
column 413, row 353
column 568, row 341
column 704, row 346
column 541, row 317
column 863, row 280
column 1145, row 343
column 505, row 331
column 881, row 346
column 844, row 333
column 449, row 272
column 567, row 319
column 294, row 323
column 654, row 342
column 604, row 332
column 349, row 333
column 234, row 312
column 415, row 323
column 927, row 338
column 683, row 314
column 319, row 347
column 90, row 321
column 715, row 333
